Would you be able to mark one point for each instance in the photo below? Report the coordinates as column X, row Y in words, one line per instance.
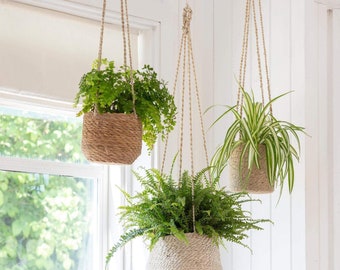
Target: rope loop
column 187, row 17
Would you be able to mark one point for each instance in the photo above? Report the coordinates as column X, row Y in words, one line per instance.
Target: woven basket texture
column 170, row 253
column 257, row 182
column 111, row 138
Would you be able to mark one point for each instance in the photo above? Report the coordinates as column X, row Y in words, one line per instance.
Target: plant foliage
column 109, row 91
column 166, row 208
column 255, row 126
column 44, row 219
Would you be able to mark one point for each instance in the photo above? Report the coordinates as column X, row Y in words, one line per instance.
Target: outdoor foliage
column 109, row 91
column 43, row 222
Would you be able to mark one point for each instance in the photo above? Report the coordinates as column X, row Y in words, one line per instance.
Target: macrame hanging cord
column 250, row 9
column 186, row 58
column 126, row 43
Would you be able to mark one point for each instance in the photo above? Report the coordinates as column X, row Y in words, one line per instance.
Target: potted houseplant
column 184, row 230
column 258, row 148
column 117, row 116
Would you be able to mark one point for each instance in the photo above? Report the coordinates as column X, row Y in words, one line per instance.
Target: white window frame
column 155, row 27
column 93, row 171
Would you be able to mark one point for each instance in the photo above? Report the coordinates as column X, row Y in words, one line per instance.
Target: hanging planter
column 255, row 180
column 258, row 148
column 121, row 106
column 117, row 119
column 181, row 230
column 111, row 137
column 200, row 253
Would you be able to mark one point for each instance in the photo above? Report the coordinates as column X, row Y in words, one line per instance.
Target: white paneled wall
column 336, row 136
column 280, row 246
column 322, row 148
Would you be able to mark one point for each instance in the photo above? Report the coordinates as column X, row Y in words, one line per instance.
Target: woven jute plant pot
column 170, row 253
column 257, row 182
column 112, row 138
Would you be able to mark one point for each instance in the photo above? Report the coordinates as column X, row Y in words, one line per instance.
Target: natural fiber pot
column 112, row 138
column 257, row 182
column 170, row 253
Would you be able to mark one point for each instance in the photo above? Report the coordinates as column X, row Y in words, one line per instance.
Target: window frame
column 149, row 44
column 96, row 172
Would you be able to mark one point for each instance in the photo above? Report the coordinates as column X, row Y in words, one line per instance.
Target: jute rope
column 126, row 32
column 126, row 43
column 101, row 38
column 187, row 62
column 251, row 9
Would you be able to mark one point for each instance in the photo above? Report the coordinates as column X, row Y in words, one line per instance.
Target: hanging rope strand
column 182, row 109
column 244, row 56
column 127, row 40
column 265, row 56
column 174, row 95
column 122, row 17
column 199, row 107
column 190, row 109
column 258, row 51
column 191, row 135
column 101, row 35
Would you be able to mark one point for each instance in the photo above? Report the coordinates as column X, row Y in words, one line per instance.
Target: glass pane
column 45, row 222
column 40, row 136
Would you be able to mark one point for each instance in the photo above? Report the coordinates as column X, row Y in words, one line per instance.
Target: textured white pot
column 170, row 253
column 257, row 182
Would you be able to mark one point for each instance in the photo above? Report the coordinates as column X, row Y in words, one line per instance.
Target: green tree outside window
column 44, row 219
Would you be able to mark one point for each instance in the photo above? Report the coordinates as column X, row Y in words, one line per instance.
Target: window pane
column 40, row 136
column 45, row 221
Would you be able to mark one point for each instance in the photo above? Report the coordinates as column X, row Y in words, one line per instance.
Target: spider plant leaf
column 290, row 174
column 223, row 114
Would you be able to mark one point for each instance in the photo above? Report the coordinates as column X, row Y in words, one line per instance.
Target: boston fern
column 109, row 91
column 255, row 126
column 166, row 208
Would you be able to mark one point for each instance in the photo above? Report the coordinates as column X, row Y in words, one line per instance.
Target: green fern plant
column 254, row 127
column 164, row 208
column 109, row 91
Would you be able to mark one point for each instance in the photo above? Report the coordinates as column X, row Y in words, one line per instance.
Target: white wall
column 322, row 162
column 281, row 246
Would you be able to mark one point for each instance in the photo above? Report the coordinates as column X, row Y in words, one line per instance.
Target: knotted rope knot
column 187, row 16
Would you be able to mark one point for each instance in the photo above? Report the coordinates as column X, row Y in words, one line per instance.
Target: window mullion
column 51, row 167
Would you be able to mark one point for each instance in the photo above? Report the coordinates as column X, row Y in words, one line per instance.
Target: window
column 48, row 203
column 44, row 179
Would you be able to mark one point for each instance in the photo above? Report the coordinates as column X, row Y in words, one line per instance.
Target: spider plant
column 255, row 125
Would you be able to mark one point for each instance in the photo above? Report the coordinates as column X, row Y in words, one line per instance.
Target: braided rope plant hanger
column 201, row 253
column 122, row 106
column 257, row 146
column 111, row 138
